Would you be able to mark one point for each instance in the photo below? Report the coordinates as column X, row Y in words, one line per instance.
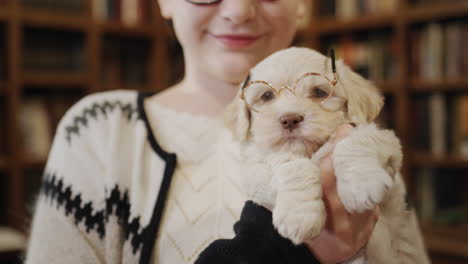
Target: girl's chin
column 234, row 67
column 232, row 74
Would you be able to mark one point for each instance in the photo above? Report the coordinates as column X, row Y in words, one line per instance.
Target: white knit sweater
column 111, row 158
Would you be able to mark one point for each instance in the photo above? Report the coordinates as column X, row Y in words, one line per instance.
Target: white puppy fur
column 280, row 166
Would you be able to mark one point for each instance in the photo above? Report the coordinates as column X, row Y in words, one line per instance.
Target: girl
column 123, row 182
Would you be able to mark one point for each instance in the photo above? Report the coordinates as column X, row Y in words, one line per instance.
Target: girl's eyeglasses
column 203, row 2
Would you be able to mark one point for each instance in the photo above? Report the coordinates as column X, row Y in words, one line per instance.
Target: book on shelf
column 428, row 2
column 3, row 131
column 460, row 126
column 440, row 126
column 374, row 58
column 437, row 52
column 110, row 67
column 77, row 7
column 441, row 197
column 125, row 63
column 36, row 134
column 50, row 51
column 347, row 9
column 128, row 12
column 32, row 187
column 385, row 117
column 3, row 60
column 425, row 199
column 11, row 239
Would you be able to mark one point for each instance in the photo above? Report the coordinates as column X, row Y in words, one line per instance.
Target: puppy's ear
column 237, row 118
column 364, row 98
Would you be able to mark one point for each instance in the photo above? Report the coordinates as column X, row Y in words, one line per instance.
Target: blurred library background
column 54, row 52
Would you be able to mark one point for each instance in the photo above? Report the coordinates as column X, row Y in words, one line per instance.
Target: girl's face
column 227, row 38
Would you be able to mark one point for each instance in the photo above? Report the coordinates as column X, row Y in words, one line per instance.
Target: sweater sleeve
column 256, row 242
column 68, row 224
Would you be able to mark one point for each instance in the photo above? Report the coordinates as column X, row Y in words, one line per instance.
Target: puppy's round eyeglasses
column 203, row 2
column 314, row 86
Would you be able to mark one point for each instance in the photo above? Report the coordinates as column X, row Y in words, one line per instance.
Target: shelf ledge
column 52, row 20
column 436, row 11
column 434, row 86
column 447, row 239
column 119, row 28
column 55, row 79
column 4, row 14
column 327, row 26
column 449, row 161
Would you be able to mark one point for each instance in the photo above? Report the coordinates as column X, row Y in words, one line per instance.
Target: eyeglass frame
column 205, row 2
column 333, row 82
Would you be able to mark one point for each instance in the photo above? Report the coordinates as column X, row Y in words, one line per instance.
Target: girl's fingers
column 341, row 132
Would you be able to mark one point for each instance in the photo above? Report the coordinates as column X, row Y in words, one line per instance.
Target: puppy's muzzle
column 291, row 121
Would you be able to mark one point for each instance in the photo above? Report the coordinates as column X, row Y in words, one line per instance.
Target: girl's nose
column 238, row 11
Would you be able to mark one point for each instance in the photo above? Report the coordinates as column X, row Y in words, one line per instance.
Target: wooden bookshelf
column 3, row 163
column 447, row 239
column 429, row 160
column 4, row 14
column 3, row 87
column 33, row 162
column 327, row 26
column 436, row 11
column 124, row 30
column 17, row 22
column 53, row 20
column 387, row 87
column 56, row 79
column 446, row 244
column 428, row 87
column 95, row 33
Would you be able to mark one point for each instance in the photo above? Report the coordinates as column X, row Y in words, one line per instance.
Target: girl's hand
column 344, row 234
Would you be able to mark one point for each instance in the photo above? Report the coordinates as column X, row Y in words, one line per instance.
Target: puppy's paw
column 360, row 163
column 361, row 184
column 299, row 222
column 360, row 260
column 299, row 213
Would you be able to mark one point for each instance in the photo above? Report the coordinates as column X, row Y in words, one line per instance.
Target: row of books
column 3, row 128
column 129, row 12
column 440, row 125
column 77, row 7
column 441, row 196
column 50, row 51
column 344, row 9
column 372, row 57
column 125, row 63
column 438, row 51
column 428, row 2
column 2, row 69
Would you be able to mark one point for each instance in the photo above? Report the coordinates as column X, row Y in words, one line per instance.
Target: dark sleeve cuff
column 256, row 242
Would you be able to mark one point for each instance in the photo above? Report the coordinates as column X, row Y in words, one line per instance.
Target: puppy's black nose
column 291, row 121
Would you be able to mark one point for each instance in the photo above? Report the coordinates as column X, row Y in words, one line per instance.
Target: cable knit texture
column 106, row 177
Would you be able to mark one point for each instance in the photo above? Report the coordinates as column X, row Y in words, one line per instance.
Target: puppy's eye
column 267, row 96
column 317, row 92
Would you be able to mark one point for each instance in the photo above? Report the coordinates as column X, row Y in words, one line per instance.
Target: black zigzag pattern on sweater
column 83, row 212
column 129, row 111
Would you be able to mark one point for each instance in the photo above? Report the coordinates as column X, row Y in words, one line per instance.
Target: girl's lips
column 237, row 41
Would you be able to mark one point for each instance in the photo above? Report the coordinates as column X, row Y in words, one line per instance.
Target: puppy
column 283, row 118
